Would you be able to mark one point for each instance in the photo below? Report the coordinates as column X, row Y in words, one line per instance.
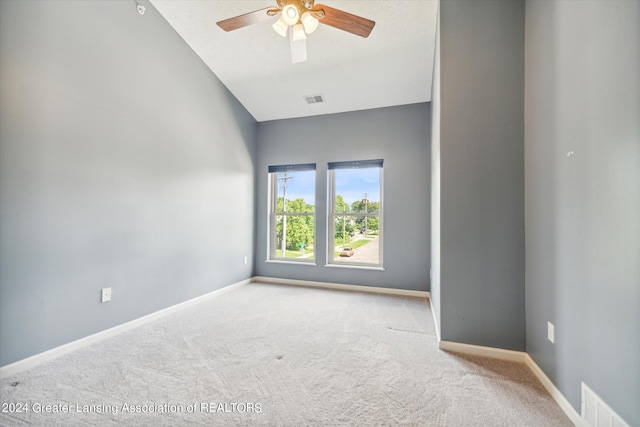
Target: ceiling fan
column 299, row 18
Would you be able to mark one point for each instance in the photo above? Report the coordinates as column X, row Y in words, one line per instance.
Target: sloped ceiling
column 393, row 66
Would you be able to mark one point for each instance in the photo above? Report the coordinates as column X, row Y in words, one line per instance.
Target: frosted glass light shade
column 298, row 32
column 280, row 27
column 290, row 14
column 309, row 22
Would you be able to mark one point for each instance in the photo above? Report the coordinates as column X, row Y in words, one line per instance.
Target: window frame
column 332, row 214
column 272, row 240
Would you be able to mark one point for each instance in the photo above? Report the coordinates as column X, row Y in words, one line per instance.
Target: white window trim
column 331, row 227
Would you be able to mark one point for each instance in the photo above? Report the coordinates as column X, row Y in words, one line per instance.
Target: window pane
column 298, row 232
column 293, row 219
column 295, row 191
column 357, row 190
column 355, row 240
column 355, row 216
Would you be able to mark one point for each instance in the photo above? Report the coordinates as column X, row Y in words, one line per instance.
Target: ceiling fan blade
column 345, row 21
column 298, row 50
column 247, row 19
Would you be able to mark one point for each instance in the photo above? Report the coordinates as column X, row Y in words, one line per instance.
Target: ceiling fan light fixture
column 298, row 33
column 309, row 22
column 290, row 14
column 299, row 18
column 281, row 27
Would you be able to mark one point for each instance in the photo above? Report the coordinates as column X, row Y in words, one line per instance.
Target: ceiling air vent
column 316, row 99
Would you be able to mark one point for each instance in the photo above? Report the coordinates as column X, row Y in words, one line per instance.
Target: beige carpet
column 278, row 355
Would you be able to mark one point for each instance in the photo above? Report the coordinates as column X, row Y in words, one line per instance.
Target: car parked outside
column 347, row 252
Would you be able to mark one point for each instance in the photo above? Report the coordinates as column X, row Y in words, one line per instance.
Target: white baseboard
column 522, row 357
column 342, row 287
column 477, row 350
column 35, row 360
column 573, row 415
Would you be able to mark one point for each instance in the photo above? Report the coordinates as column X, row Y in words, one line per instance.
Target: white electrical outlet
column 106, row 295
column 551, row 332
column 245, row 259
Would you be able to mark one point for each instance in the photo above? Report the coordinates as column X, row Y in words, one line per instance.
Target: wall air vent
column 316, row 99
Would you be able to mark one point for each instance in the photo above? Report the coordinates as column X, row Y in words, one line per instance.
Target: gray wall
column 124, row 162
column 583, row 212
column 482, row 172
column 400, row 136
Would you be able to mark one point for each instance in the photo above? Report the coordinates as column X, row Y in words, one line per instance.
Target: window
column 355, row 213
column 292, row 213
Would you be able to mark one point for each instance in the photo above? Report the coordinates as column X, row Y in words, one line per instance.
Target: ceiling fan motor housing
column 306, row 4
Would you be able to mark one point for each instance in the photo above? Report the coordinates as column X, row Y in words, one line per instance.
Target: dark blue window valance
column 293, row 168
column 359, row 164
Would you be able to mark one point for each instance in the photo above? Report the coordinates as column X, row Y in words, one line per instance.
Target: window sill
column 355, row 266
column 277, row 261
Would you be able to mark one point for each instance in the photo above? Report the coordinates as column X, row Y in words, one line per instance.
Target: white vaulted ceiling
column 393, row 66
